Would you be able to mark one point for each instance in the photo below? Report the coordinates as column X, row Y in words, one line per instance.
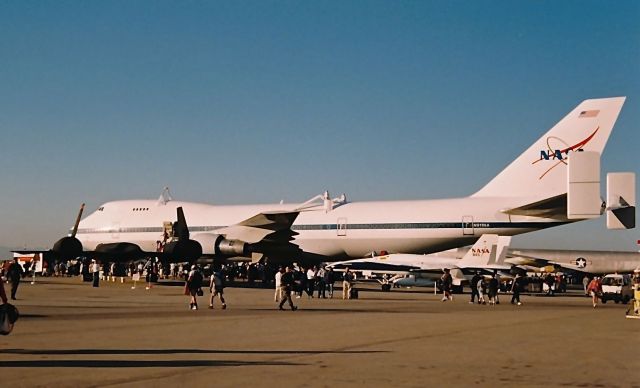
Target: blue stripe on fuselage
column 385, row 226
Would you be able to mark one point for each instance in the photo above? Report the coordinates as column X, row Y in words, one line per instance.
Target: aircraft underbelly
column 355, row 243
column 361, row 243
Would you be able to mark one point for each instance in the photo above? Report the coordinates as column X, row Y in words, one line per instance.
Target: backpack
column 196, row 279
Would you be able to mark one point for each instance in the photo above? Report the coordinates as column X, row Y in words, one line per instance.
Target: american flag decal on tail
column 589, row 113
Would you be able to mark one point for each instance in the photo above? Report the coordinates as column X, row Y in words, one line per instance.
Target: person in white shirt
column 278, row 294
column 95, row 269
column 347, row 280
column 311, row 279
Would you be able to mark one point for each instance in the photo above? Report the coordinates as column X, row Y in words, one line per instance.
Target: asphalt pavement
column 73, row 335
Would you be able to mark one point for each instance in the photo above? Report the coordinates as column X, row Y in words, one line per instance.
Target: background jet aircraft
column 485, row 256
column 592, row 262
column 530, row 194
column 491, row 253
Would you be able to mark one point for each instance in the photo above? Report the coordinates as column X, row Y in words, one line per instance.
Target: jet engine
column 226, row 247
column 67, row 248
column 221, row 246
column 183, row 250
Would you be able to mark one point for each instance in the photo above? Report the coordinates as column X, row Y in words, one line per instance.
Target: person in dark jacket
column 286, row 283
column 474, row 287
column 14, row 274
column 493, row 289
column 516, row 287
column 446, row 281
column 3, row 295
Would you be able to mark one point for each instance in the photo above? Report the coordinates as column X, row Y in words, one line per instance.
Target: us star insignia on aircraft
column 581, row 262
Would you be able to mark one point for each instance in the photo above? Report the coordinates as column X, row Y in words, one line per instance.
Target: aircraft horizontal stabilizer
column 621, row 200
column 555, row 207
column 271, row 220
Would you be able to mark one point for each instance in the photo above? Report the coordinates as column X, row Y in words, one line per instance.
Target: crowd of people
column 289, row 282
column 485, row 289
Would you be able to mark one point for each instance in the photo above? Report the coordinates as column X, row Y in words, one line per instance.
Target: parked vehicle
column 617, row 288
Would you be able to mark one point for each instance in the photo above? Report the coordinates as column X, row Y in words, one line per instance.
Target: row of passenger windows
column 140, row 209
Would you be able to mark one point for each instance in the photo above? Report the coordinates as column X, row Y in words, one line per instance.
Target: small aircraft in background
column 486, row 257
column 490, row 254
column 582, row 261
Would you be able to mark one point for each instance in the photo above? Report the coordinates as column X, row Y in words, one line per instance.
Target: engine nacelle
column 67, row 248
column 232, row 248
column 184, row 250
column 218, row 245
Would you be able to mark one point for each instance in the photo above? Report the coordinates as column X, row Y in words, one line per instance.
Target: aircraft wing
column 518, row 259
column 268, row 225
column 378, row 264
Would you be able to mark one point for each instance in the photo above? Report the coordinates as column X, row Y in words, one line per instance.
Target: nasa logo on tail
column 481, row 251
column 562, row 154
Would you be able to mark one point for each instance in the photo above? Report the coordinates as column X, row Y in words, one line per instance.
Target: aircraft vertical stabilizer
column 482, row 253
column 541, row 171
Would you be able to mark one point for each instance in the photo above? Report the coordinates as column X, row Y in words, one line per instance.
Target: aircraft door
column 342, row 226
column 467, row 226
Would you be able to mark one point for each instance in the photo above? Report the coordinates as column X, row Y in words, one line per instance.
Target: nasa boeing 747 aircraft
column 528, row 195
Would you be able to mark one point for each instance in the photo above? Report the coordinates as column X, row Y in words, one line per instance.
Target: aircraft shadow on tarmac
column 314, row 309
column 136, row 364
column 174, row 351
column 33, row 316
column 152, row 363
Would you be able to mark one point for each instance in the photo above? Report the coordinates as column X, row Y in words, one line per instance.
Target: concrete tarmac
column 73, row 335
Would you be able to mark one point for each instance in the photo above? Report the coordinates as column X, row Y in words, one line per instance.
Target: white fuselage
column 351, row 230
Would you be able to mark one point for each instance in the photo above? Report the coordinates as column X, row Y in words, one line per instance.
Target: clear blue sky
column 258, row 101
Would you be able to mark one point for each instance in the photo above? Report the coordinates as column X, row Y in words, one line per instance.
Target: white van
column 617, row 288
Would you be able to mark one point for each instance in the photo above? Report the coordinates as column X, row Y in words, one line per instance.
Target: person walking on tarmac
column 216, row 288
column 278, row 280
column 595, row 290
column 446, row 280
column 347, row 280
column 516, row 287
column 95, row 270
column 3, row 295
column 193, row 286
column 286, row 284
column 493, row 289
column 474, row 287
column 15, row 273
column 636, row 291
